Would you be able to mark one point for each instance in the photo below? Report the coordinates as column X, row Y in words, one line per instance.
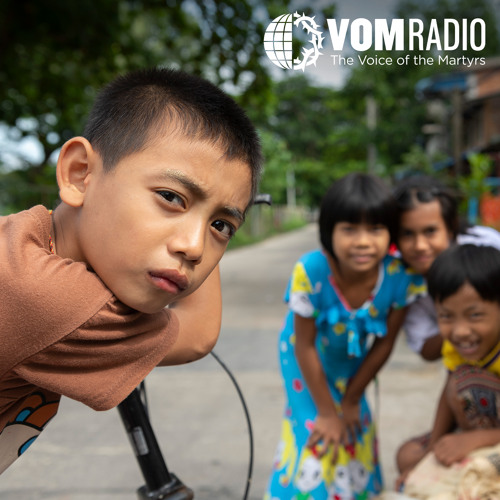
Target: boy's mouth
column 467, row 348
column 169, row 280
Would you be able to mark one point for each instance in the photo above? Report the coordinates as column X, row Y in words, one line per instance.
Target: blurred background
column 316, row 125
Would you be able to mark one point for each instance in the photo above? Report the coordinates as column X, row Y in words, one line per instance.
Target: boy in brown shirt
column 151, row 195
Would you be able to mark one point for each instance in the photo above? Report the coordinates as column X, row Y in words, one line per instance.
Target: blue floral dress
column 343, row 339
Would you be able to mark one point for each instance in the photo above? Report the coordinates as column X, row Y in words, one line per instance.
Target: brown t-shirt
column 62, row 332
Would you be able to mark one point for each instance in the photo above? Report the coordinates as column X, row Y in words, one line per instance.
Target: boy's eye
column 171, row 197
column 224, row 228
column 475, row 315
column 443, row 316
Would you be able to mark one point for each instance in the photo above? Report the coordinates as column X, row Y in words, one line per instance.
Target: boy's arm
column 444, row 421
column 431, row 350
column 199, row 317
column 450, row 447
column 375, row 359
column 455, row 447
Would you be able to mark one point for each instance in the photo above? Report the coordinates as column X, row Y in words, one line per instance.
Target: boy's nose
column 460, row 330
column 189, row 241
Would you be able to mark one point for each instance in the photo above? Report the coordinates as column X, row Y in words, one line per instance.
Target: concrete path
column 195, row 410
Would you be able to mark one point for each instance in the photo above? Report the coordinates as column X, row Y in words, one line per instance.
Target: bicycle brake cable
column 249, row 423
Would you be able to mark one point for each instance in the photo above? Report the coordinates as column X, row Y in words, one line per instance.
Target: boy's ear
column 75, row 165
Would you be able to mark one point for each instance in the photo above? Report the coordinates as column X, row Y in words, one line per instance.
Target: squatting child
column 150, row 197
column 463, row 281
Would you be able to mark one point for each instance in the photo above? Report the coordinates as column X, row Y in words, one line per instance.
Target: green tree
column 400, row 113
column 304, row 120
column 55, row 54
column 278, row 162
column 456, row 9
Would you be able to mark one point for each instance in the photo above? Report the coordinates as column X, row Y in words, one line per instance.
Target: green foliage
column 54, row 55
column 473, row 185
column 24, row 188
column 400, row 116
column 50, row 70
column 263, row 222
column 300, row 135
column 278, row 161
column 416, row 160
column 456, row 9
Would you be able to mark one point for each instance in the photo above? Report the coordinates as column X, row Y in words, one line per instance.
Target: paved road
column 196, row 412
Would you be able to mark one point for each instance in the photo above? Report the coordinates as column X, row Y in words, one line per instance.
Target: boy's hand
column 350, row 414
column 400, row 481
column 452, row 448
column 330, row 430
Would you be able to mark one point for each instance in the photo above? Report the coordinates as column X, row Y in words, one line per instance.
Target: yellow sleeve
column 451, row 359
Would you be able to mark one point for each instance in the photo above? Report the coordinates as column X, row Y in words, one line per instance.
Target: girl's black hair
column 423, row 189
column 477, row 265
column 356, row 198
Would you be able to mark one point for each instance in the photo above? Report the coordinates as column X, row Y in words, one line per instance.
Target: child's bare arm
column 431, row 350
column 444, row 421
column 375, row 359
column 328, row 426
column 454, row 447
column 450, row 447
column 415, row 451
column 199, row 322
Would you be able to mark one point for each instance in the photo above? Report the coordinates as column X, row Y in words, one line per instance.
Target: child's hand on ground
column 454, row 447
column 329, row 430
column 400, row 481
column 350, row 416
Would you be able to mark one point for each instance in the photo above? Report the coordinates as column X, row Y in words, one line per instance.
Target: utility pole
column 291, row 195
column 457, row 130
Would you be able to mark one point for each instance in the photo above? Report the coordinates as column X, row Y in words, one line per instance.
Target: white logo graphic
column 278, row 41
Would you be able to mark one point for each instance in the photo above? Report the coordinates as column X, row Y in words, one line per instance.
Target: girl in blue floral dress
column 346, row 305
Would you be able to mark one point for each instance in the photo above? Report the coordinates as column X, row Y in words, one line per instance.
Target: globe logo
column 278, row 41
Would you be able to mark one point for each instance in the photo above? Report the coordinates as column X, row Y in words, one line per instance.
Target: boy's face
column 469, row 322
column 155, row 227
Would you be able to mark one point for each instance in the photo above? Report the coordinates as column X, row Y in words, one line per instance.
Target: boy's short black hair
column 356, row 198
column 423, row 189
column 139, row 106
column 459, row 264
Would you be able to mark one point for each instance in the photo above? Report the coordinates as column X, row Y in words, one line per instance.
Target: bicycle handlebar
column 160, row 483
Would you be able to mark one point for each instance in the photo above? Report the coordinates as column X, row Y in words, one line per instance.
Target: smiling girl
column 428, row 223
column 346, row 304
